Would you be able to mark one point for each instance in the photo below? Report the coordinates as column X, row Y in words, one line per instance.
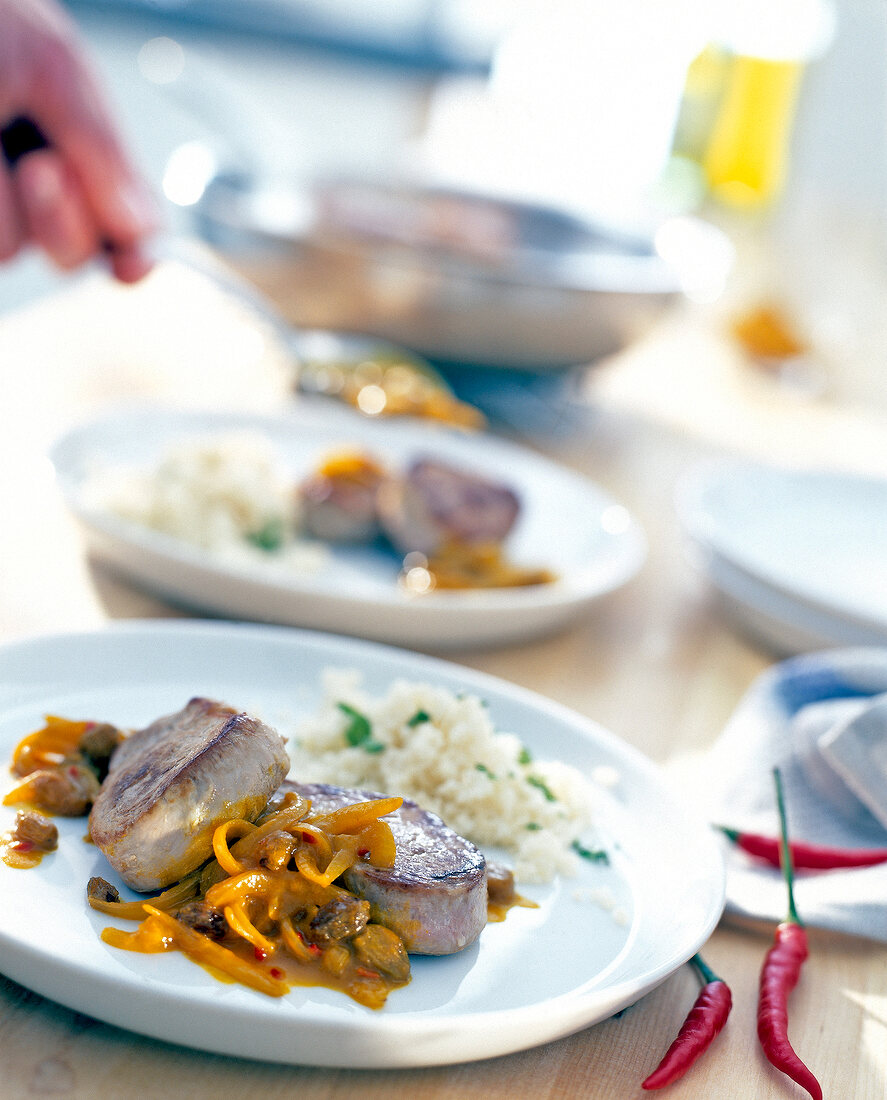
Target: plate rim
column 699, row 525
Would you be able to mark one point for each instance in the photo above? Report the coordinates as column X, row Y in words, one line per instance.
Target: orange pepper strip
column 348, row 819
column 48, row 745
column 232, row 890
column 172, row 898
column 240, row 923
column 220, row 844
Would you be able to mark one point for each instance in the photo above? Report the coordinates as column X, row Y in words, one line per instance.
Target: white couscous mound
column 441, row 750
column 227, row 494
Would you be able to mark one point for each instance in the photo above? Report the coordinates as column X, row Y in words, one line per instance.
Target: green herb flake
column 524, row 756
column 418, row 718
column 532, row 826
column 483, row 768
column 269, row 537
column 593, row 855
column 542, row 786
column 358, row 729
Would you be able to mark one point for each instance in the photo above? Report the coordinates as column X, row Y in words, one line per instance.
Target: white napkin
column 822, row 719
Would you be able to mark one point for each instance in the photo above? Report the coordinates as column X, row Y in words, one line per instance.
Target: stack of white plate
column 799, row 557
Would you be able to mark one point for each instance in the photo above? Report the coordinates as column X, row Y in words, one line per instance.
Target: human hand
column 78, row 197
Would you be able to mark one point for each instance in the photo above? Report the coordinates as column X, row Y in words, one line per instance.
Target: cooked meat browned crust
column 340, row 509
column 435, row 895
column 171, row 784
column 435, row 504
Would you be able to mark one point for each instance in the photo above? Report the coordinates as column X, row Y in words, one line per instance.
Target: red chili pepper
column 260, row 953
column 704, row 1021
column 780, row 974
column 364, row 973
column 23, row 846
column 308, row 838
column 805, row 856
column 276, row 972
column 363, row 852
column 311, row 947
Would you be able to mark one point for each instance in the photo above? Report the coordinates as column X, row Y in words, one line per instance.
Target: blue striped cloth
column 822, row 719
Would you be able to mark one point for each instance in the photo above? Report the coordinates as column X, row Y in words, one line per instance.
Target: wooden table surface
column 656, row 662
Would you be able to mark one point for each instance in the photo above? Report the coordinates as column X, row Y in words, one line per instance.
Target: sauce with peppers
column 266, row 911
column 20, row 854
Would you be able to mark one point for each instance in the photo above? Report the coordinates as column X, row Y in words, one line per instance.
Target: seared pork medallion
column 338, row 501
column 171, row 784
column 435, row 894
column 435, row 505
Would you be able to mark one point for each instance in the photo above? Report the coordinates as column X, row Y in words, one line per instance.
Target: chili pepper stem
column 788, row 871
column 705, row 971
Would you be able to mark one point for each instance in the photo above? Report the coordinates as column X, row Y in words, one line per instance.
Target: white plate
column 784, row 625
column 567, row 524
column 817, row 540
column 541, row 974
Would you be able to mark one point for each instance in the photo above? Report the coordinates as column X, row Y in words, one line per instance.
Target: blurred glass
column 764, row 54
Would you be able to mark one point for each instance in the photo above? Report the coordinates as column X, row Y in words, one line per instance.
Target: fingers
column 12, row 230
column 72, row 114
column 55, row 210
column 129, row 263
column 43, row 201
column 80, row 197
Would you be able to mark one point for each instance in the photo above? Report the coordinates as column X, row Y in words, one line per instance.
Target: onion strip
column 240, row 923
column 173, row 898
column 220, row 844
column 236, row 889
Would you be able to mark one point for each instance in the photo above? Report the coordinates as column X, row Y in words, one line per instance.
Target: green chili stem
column 705, row 971
column 785, row 851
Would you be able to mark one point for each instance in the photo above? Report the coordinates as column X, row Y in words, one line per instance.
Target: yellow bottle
column 767, row 44
column 747, row 155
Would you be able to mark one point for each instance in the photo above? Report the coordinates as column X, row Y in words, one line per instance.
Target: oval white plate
column 541, row 974
column 784, row 625
column 567, row 524
column 814, row 537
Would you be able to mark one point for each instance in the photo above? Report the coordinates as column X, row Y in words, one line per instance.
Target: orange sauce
column 19, row 855
column 478, row 565
column 48, row 746
column 497, row 911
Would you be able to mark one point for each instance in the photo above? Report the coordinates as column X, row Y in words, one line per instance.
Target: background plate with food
column 262, row 517
column 600, row 936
